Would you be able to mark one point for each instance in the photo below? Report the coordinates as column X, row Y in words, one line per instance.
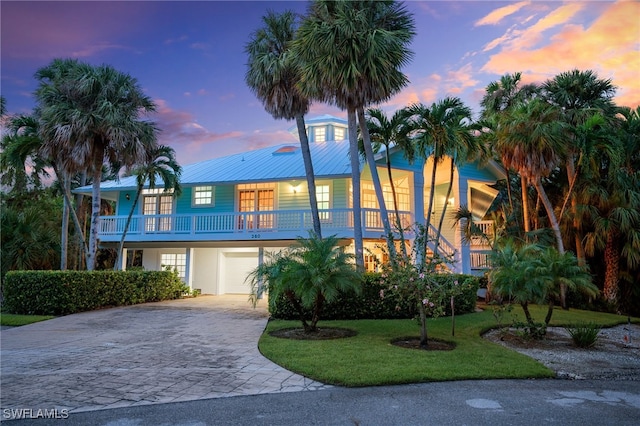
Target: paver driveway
column 171, row 351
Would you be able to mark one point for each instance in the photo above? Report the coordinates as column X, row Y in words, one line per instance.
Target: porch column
column 188, row 270
column 260, row 262
column 463, row 252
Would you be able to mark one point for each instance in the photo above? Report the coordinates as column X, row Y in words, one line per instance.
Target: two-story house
column 235, row 208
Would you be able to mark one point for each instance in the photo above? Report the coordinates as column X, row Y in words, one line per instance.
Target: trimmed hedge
column 369, row 305
column 67, row 292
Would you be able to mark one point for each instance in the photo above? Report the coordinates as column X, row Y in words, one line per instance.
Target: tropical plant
column 22, row 149
column 310, row 273
column 390, row 133
column 609, row 203
column 584, row 335
column 581, row 97
column 162, row 164
column 528, row 273
column 500, row 97
column 340, row 45
column 29, row 238
column 440, row 130
column 89, row 115
column 273, row 75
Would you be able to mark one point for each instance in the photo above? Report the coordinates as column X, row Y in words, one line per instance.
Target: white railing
column 479, row 259
column 243, row 222
column 486, row 232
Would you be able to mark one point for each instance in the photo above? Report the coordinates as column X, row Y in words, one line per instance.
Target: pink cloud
column 609, row 46
column 194, row 142
column 499, row 14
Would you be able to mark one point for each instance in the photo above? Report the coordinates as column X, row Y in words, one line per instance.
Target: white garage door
column 237, row 267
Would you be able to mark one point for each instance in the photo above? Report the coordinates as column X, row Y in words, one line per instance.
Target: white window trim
column 193, row 196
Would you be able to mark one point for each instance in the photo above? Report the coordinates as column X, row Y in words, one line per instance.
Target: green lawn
column 369, row 359
column 16, row 320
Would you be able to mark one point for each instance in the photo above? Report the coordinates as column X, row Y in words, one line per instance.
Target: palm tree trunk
column 525, row 204
column 556, row 230
column 355, row 182
column 64, row 233
column 95, row 213
column 612, row 266
column 395, row 207
column 66, row 193
column 308, row 168
column 116, row 266
column 384, row 214
column 444, row 208
column 427, row 223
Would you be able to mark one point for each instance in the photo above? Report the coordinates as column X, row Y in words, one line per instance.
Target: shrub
column 584, row 335
column 67, row 292
column 370, row 305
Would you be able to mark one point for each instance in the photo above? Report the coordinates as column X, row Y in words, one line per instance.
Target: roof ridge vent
column 287, row 149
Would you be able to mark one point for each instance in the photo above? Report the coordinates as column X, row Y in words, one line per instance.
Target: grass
column 17, row 320
column 368, row 359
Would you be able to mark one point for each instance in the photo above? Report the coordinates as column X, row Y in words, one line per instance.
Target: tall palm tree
column 273, row 75
column 580, row 95
column 609, row 202
column 161, row 164
column 535, row 133
column 351, row 54
column 388, row 132
column 89, row 115
column 437, row 131
column 499, row 98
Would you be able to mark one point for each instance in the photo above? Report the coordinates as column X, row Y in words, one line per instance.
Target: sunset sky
column 189, row 56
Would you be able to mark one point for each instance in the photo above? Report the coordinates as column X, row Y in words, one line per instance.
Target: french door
column 159, row 207
column 256, row 200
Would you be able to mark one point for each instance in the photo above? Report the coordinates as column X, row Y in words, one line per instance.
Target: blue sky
column 189, row 56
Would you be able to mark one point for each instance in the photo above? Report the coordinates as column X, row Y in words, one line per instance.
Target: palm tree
column 437, row 131
column 311, row 273
column 161, row 164
column 273, row 75
column 609, row 201
column 388, row 132
column 499, row 98
column 89, row 115
column 534, row 132
column 580, row 95
column 351, row 54
column 24, row 146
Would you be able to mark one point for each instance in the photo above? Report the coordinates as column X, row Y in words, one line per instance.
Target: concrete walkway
column 154, row 353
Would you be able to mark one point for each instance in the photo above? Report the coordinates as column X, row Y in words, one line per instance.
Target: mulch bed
column 325, row 333
column 432, row 344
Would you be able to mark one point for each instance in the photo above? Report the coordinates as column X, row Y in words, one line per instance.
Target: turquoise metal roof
column 280, row 162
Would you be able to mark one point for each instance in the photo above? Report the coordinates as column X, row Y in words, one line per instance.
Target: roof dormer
column 324, row 128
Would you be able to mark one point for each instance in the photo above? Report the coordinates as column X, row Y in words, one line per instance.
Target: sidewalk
column 182, row 350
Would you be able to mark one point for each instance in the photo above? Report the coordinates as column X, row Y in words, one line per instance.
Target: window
column 203, row 196
column 175, row 261
column 339, row 133
column 323, row 197
column 320, row 134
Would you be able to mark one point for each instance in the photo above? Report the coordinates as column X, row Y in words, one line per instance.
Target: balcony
column 241, row 226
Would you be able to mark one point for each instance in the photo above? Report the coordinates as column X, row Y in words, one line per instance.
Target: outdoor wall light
column 127, row 196
column 450, row 201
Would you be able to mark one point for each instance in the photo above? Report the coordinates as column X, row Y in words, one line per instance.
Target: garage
column 236, row 266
